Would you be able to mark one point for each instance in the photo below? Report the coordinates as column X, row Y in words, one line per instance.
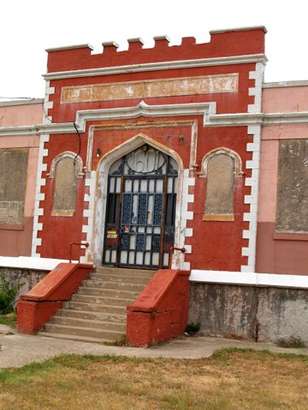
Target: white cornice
column 207, row 110
column 164, row 65
column 140, row 110
column 237, row 119
column 284, row 84
column 36, row 129
column 223, row 120
column 145, row 110
column 65, row 48
column 21, row 130
column 249, row 28
column 285, row 118
column 29, row 101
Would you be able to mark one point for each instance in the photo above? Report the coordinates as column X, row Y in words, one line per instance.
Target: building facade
column 141, row 158
column 153, row 157
column 19, row 148
column 282, row 245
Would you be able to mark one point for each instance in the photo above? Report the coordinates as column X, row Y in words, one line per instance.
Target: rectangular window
column 13, row 179
column 292, row 193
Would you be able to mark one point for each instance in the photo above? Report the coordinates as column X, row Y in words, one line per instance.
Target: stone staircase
column 97, row 311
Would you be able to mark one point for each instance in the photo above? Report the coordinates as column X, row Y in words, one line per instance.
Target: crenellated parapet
column 226, row 43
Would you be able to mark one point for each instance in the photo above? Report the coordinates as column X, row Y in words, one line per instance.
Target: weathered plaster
column 249, row 312
column 211, row 84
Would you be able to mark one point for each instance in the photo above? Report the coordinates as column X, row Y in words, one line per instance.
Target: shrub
column 192, row 328
column 292, row 341
column 8, row 293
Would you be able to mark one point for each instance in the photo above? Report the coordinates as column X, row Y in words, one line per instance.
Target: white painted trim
column 250, row 234
column 249, row 278
column 234, row 119
column 73, row 47
column 25, row 101
column 206, row 109
column 97, row 240
column 227, row 120
column 252, row 199
column 157, row 66
column 237, row 160
column 145, row 110
column 227, row 30
column 47, row 104
column 142, row 109
column 283, row 84
column 66, row 154
column 185, row 182
column 89, row 201
column 256, row 91
column 110, row 44
column 300, row 117
column 135, row 40
column 38, row 195
column 29, row 262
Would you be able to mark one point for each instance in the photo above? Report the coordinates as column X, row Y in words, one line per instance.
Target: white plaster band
column 165, row 65
column 209, row 120
column 249, row 278
column 30, row 262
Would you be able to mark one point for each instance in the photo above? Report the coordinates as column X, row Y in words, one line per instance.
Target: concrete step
column 97, row 312
column 139, row 280
column 124, row 271
column 101, row 300
column 126, row 294
column 135, row 287
column 92, row 315
column 75, row 337
column 84, row 331
column 90, row 324
column 95, row 307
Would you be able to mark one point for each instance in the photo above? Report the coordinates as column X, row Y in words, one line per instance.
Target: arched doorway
column 140, row 209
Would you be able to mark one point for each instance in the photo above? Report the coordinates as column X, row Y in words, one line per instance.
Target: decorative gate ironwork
column 140, row 212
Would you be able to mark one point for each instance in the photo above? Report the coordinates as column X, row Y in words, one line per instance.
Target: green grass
column 8, row 319
column 232, row 379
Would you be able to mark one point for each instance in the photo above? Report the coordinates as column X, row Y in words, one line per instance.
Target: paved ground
column 17, row 350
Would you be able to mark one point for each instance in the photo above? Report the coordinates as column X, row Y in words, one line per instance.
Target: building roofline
column 21, row 102
column 72, row 47
column 283, row 84
column 239, row 29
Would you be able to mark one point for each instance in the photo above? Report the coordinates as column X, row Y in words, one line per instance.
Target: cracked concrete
column 17, row 350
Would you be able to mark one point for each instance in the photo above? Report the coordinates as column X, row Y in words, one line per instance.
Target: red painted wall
column 161, row 310
column 43, row 301
column 215, row 245
column 228, row 43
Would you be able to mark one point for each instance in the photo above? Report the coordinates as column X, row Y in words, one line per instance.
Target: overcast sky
column 28, row 27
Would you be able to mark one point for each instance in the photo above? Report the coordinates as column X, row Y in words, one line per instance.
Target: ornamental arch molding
column 220, row 167
column 98, row 200
column 65, row 170
column 238, row 167
column 63, row 155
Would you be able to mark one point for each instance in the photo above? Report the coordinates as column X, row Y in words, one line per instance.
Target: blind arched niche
column 66, row 168
column 220, row 167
